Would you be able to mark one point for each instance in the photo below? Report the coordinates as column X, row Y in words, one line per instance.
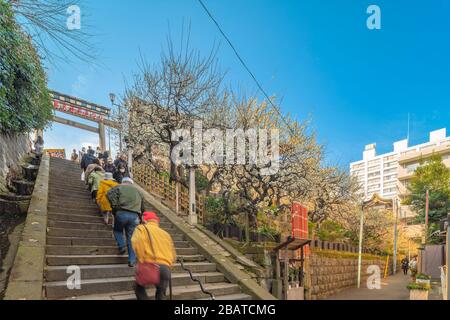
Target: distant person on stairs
column 105, row 185
column 154, row 245
column 88, row 158
column 74, row 156
column 39, row 146
column 127, row 206
column 405, row 265
column 94, row 181
column 82, row 153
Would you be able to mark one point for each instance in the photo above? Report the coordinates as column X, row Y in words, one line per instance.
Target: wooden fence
column 160, row 186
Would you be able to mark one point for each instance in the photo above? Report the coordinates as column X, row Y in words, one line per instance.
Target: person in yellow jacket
column 157, row 249
column 102, row 201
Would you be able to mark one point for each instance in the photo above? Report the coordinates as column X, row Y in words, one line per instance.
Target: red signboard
column 56, row 153
column 299, row 223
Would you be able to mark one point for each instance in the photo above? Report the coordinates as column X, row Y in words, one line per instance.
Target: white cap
column 127, row 180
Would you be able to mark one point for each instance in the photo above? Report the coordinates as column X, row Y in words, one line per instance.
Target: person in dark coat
column 109, row 166
column 405, row 265
column 121, row 160
column 87, row 159
column 120, row 173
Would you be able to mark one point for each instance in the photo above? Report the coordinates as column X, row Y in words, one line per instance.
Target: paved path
column 392, row 288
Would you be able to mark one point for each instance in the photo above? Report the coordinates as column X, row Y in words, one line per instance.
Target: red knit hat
column 150, row 216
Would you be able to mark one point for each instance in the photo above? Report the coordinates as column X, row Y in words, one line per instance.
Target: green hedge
column 24, row 98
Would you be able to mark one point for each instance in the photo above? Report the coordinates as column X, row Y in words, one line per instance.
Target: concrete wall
column 431, row 259
column 332, row 271
column 12, row 149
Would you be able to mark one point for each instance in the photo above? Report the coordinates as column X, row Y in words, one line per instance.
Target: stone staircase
column 77, row 236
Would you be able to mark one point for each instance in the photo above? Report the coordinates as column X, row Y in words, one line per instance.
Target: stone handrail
column 27, row 275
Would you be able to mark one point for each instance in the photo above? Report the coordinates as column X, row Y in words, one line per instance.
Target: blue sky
column 357, row 85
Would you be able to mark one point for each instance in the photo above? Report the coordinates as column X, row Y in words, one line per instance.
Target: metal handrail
column 196, row 280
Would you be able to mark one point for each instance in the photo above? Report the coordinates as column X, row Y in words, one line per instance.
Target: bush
column 215, row 213
column 330, row 231
column 422, row 276
column 267, row 231
column 25, row 102
column 419, row 286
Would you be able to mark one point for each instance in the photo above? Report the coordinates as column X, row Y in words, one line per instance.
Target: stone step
column 230, row 297
column 190, row 292
column 101, row 250
column 99, row 225
column 59, row 273
column 66, row 171
column 62, row 232
column 58, row 232
column 81, row 188
column 66, row 176
column 78, row 225
column 78, row 196
column 74, row 181
column 69, row 260
column 75, row 189
column 59, row 289
column 81, row 195
column 77, row 241
column 79, row 205
column 60, row 209
column 75, row 217
column 80, row 241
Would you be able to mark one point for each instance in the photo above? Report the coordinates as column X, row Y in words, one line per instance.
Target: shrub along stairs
column 77, row 236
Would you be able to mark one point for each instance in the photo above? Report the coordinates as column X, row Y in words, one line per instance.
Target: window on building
column 391, row 165
column 389, row 158
column 374, row 174
column 389, row 171
column 390, row 190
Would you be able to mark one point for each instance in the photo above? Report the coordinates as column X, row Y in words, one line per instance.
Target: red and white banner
column 77, row 111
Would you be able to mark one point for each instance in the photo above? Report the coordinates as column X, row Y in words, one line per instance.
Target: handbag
column 148, row 273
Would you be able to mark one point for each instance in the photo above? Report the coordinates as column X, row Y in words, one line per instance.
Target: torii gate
column 85, row 110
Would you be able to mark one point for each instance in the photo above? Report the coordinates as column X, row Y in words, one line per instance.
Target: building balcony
column 425, row 151
column 404, row 174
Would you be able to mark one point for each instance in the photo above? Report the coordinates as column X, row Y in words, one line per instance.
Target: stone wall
column 330, row 272
column 12, row 150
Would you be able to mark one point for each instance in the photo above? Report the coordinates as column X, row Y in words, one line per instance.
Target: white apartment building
column 384, row 174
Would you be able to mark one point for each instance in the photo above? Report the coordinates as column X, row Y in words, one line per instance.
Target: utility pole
column 109, row 141
column 192, row 207
column 120, row 127
column 427, row 209
column 361, row 228
column 396, row 207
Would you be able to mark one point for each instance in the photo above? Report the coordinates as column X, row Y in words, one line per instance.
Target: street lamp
column 112, row 97
column 396, row 209
column 361, row 230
